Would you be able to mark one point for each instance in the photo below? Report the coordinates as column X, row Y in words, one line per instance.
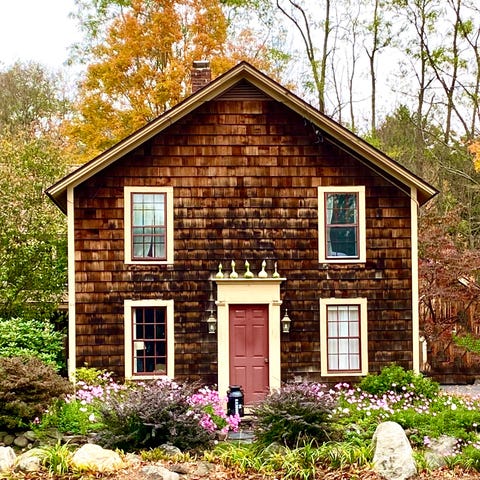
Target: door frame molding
column 248, row 292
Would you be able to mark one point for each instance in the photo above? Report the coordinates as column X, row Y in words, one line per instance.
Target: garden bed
column 304, row 431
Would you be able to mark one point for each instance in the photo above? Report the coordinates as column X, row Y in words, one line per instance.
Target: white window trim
column 362, row 252
column 127, row 195
column 324, row 302
column 128, row 306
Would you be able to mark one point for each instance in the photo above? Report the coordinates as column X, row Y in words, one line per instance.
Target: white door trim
column 245, row 292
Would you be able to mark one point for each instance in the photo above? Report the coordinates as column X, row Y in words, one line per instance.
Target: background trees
column 140, row 55
column 32, row 231
column 403, row 74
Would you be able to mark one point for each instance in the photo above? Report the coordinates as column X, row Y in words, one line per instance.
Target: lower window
column 343, row 334
column 149, row 338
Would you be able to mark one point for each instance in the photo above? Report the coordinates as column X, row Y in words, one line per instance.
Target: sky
column 37, row 30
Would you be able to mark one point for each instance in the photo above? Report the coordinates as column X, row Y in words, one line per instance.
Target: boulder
column 157, row 472
column 7, row 458
column 21, row 441
column 393, row 458
column 438, row 450
column 170, row 450
column 30, row 436
column 95, row 458
column 30, row 461
column 8, row 440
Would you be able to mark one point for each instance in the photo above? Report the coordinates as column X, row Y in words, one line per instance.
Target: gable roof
column 329, row 129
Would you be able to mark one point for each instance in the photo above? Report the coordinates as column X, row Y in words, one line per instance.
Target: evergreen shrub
column 27, row 388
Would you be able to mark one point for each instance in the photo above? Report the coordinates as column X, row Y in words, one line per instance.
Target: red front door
column 249, row 350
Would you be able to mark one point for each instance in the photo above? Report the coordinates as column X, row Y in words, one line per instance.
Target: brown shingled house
column 193, row 242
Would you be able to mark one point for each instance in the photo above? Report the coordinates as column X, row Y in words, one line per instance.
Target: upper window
column 148, row 338
column 341, row 224
column 343, row 334
column 148, row 225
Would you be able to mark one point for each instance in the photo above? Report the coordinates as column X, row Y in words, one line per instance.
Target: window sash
column 149, row 340
column 341, row 224
column 149, row 226
column 343, row 338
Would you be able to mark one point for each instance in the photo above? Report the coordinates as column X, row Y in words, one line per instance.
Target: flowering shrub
column 213, row 417
column 360, row 412
column 152, row 413
column 79, row 413
column 296, row 415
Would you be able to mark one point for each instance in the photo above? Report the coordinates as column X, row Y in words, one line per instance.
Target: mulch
column 220, row 472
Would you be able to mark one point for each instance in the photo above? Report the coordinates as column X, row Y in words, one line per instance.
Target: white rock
column 95, row 458
column 30, row 461
column 7, row 458
column 157, row 472
column 438, row 450
column 393, row 458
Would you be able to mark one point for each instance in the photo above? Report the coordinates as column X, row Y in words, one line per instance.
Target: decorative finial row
column 248, row 274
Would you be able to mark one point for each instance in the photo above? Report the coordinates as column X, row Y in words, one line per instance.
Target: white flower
column 91, row 417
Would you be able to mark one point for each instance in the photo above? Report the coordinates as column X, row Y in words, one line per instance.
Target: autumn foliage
column 448, row 270
column 474, row 149
column 142, row 67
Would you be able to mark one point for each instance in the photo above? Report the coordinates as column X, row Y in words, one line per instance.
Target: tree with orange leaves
column 139, row 65
column 474, row 149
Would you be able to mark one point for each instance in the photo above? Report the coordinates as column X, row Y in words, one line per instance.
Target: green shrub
column 92, row 376
column 295, row 415
column 27, row 387
column 72, row 417
column 28, row 337
column 153, row 413
column 446, row 415
column 394, row 378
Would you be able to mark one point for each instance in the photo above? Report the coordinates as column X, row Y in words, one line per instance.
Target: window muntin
column 344, row 342
column 341, row 224
column 149, row 228
column 148, row 225
column 343, row 336
column 149, row 338
column 341, row 229
column 149, row 341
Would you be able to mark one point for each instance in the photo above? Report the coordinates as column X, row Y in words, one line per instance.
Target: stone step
column 245, row 436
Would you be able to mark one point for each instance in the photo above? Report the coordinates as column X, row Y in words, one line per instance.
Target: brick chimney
column 201, row 74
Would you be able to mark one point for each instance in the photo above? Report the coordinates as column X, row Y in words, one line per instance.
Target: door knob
column 266, row 360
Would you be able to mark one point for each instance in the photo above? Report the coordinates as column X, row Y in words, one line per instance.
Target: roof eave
column 57, row 192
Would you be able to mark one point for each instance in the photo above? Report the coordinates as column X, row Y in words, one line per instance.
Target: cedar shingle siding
column 245, row 174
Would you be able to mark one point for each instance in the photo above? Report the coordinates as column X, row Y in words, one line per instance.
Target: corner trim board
column 72, row 331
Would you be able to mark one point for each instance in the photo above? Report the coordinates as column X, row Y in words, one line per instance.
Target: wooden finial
column 219, row 273
column 263, row 273
column 275, row 273
column 248, row 273
column 233, row 274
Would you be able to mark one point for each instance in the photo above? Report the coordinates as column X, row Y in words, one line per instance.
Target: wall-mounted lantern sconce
column 212, row 323
column 286, row 322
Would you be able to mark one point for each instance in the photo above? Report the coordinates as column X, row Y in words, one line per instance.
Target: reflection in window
column 149, row 229
column 150, row 340
column 341, row 224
